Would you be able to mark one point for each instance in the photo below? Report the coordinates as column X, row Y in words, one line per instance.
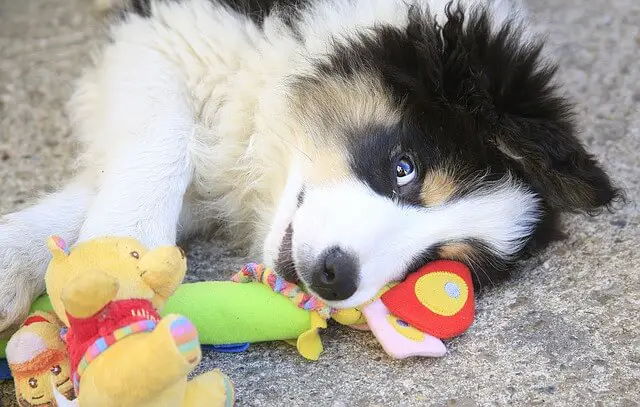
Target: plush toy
column 434, row 303
column 41, row 304
column 107, row 291
column 38, row 361
column 226, row 312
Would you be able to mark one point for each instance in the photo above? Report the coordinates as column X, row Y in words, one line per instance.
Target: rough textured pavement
column 564, row 332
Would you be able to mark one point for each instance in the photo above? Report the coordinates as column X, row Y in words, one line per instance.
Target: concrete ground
column 564, row 332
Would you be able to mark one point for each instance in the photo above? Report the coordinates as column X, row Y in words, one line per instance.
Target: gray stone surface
column 564, row 332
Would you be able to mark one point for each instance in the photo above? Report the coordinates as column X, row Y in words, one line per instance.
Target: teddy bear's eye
column 135, row 255
column 56, row 370
column 33, row 383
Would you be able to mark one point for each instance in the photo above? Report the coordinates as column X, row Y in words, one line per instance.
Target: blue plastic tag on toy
column 231, row 348
column 5, row 373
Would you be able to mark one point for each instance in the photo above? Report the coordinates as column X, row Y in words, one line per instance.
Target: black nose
column 335, row 275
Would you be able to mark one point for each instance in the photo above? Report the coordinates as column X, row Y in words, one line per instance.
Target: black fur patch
column 284, row 263
column 257, row 10
column 476, row 100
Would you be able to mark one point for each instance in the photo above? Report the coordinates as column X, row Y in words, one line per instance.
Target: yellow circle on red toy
column 442, row 292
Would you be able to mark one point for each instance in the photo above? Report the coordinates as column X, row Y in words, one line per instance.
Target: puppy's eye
column 135, row 255
column 405, row 171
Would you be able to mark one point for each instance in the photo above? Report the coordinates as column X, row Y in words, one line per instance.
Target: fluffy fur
column 394, row 131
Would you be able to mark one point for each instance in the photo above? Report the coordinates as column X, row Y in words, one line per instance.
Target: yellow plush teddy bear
column 108, row 291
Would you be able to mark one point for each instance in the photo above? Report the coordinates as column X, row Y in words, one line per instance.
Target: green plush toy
column 255, row 307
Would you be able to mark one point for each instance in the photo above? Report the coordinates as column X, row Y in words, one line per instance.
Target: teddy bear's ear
column 58, row 247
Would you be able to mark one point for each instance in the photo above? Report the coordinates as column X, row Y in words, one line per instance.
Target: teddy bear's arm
column 88, row 294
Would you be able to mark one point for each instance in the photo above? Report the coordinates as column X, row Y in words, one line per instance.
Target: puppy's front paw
column 18, row 288
column 22, row 268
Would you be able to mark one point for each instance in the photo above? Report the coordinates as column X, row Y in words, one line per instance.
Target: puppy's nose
column 335, row 275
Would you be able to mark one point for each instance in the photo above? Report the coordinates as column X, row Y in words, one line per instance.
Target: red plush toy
column 436, row 302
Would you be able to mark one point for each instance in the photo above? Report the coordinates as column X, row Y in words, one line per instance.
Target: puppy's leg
column 141, row 192
column 133, row 113
column 23, row 251
column 145, row 128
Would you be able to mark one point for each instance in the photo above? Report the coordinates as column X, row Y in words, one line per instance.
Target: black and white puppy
column 345, row 142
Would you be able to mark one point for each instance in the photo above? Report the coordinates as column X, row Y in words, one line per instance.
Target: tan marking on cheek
column 438, row 186
column 456, row 251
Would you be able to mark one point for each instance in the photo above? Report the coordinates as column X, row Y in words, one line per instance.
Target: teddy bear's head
column 141, row 273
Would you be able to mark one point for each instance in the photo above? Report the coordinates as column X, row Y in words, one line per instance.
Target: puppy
column 343, row 142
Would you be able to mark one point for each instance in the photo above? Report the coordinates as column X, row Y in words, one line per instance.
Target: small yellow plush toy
column 108, row 291
column 38, row 361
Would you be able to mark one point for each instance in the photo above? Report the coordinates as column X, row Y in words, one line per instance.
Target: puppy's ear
column 550, row 156
column 537, row 136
